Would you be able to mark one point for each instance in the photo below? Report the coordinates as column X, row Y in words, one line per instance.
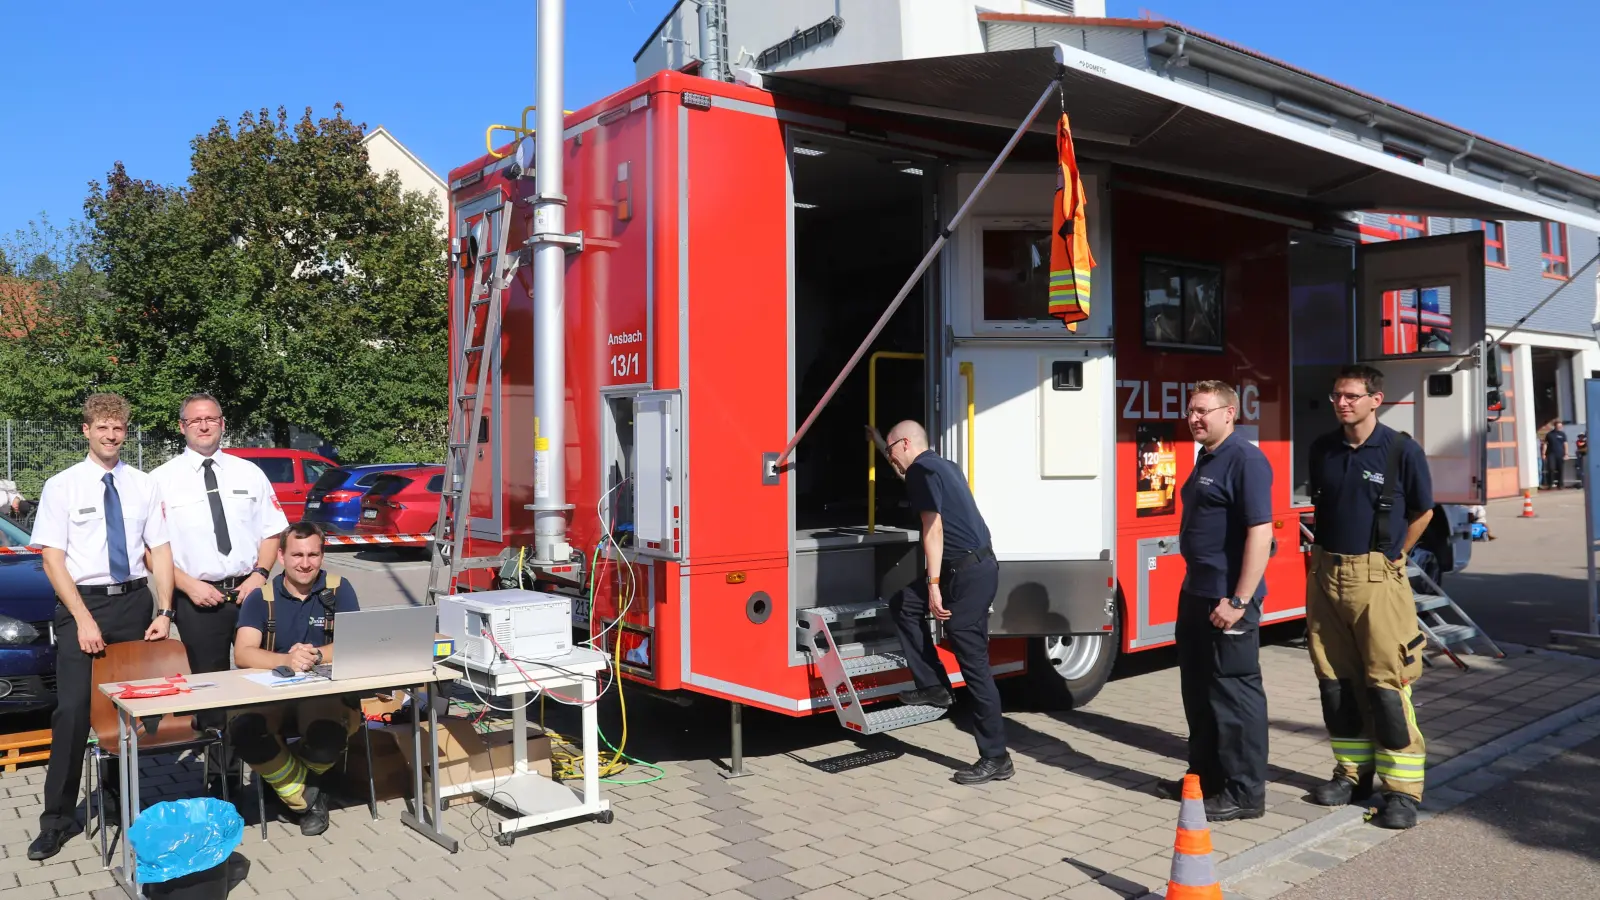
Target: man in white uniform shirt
column 97, row 522
column 224, row 519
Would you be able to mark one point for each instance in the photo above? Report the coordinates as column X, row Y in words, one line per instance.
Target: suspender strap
column 1391, row 479
column 329, row 598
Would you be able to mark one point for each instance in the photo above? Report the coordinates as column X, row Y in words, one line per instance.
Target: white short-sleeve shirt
column 72, row 517
column 249, row 506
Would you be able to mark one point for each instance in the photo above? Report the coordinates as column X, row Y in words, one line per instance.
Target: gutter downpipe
column 549, row 240
column 1465, row 152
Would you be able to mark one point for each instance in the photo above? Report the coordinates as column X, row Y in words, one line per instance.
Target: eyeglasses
column 1335, row 397
column 1202, row 413
column 204, row 420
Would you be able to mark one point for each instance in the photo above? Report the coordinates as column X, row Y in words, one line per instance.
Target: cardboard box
column 464, row 756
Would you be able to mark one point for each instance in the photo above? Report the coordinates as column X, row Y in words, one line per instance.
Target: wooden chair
column 137, row 661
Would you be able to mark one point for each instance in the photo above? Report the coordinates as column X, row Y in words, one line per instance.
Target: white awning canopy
column 1249, row 139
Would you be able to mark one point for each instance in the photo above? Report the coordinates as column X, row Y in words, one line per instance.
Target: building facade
column 385, row 153
column 811, row 34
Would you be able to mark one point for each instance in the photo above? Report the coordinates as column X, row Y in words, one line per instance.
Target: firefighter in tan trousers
column 1374, row 498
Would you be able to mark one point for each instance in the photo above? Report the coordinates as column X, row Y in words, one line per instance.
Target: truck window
column 1016, row 275
column 1182, row 305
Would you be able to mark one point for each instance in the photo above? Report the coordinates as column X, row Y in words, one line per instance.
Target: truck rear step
column 864, row 650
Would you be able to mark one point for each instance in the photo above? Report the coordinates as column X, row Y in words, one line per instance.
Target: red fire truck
column 728, row 245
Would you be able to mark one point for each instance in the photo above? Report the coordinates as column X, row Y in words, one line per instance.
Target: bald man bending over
column 962, row 577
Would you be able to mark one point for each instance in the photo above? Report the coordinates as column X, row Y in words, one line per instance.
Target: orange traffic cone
column 1194, row 877
column 1527, row 505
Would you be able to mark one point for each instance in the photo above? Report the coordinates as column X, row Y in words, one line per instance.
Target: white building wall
column 385, row 153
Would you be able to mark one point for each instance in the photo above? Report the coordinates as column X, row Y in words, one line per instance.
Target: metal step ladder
column 865, row 651
column 1454, row 638
column 492, row 273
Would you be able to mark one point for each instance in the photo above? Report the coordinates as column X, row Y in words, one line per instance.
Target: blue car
column 334, row 501
column 27, row 607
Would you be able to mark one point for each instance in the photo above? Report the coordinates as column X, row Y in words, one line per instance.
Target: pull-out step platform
column 1453, row 638
column 848, row 642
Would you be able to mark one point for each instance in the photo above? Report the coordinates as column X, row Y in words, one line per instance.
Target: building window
column 1182, row 305
column 1408, row 226
column 1553, row 249
column 1494, row 242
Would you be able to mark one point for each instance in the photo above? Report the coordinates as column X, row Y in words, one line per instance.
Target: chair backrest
column 129, row 661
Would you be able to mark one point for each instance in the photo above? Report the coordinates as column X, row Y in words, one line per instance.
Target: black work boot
column 1399, row 812
column 1339, row 791
column 314, row 820
column 934, row 696
column 988, row 768
column 1222, row 808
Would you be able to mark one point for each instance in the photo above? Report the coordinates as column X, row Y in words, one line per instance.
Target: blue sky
column 116, row 81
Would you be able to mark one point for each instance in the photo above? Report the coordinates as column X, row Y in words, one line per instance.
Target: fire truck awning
column 1214, row 128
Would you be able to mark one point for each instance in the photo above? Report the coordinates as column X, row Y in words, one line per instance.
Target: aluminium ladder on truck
column 491, row 276
column 1453, row 639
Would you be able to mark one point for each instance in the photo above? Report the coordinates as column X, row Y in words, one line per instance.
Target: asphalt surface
column 1533, row 577
column 1536, row 836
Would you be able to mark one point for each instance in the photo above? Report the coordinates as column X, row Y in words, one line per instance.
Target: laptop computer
column 388, row 641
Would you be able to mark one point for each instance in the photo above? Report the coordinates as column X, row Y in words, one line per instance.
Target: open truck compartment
column 740, row 240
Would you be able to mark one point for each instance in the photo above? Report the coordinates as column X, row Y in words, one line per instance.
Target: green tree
column 288, row 279
column 52, row 309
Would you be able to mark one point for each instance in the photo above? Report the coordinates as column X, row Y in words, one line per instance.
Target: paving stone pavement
column 1079, row 820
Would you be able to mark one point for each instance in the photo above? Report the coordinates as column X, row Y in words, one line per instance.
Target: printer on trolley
column 493, row 628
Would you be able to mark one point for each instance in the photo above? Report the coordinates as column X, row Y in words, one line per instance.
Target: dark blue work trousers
column 967, row 594
column 1224, row 700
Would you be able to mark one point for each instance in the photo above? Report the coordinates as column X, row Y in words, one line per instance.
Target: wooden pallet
column 24, row 747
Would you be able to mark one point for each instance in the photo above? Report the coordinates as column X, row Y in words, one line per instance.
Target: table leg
column 429, row 803
column 519, row 732
column 591, row 741
column 127, row 876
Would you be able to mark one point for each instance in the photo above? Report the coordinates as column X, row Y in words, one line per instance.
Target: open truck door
column 1434, row 385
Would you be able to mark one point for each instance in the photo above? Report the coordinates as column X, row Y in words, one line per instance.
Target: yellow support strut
column 872, row 419
column 972, row 421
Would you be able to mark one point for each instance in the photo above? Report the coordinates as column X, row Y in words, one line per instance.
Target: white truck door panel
column 1039, row 450
column 1420, row 320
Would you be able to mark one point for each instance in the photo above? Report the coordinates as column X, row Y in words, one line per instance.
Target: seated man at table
column 289, row 622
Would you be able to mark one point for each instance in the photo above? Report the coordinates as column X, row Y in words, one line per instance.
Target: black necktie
column 219, row 522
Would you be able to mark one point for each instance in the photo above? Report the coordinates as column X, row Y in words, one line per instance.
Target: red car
column 403, row 502
column 292, row 473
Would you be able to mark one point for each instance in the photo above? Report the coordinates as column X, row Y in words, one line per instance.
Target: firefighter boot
column 1339, row 790
column 314, row 820
column 1399, row 812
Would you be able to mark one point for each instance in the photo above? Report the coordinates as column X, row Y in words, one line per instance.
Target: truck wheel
column 1068, row 671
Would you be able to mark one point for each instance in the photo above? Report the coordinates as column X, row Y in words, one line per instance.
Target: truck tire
column 1067, row 672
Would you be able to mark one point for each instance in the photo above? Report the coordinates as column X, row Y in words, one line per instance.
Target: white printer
column 526, row 625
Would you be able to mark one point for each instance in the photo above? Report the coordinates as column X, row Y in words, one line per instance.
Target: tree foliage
column 286, row 278
column 53, row 305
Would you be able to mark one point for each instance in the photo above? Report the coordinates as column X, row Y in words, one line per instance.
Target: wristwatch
column 262, row 572
column 1238, row 602
column 318, row 653
column 167, row 613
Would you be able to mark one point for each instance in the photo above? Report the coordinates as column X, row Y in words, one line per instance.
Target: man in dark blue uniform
column 1225, row 538
column 962, row 577
column 289, row 621
column 1374, row 499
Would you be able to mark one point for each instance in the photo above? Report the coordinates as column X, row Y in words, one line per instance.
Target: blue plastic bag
column 175, row 838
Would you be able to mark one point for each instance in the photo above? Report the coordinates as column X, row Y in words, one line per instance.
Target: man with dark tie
column 224, row 521
column 95, row 523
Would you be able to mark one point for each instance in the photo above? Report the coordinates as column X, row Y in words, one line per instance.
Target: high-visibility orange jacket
column 1070, row 258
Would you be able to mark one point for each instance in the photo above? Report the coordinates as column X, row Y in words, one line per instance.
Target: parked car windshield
column 14, row 536
column 331, row 480
column 388, row 484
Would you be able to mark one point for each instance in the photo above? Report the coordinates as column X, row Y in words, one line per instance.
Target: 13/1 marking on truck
column 624, row 365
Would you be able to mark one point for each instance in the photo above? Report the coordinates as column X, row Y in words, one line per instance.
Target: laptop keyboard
column 325, row 670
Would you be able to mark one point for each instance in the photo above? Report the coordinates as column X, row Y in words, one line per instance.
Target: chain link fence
column 37, row 450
